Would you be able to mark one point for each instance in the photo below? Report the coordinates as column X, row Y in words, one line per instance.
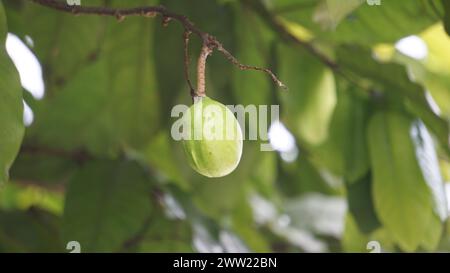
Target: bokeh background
column 361, row 147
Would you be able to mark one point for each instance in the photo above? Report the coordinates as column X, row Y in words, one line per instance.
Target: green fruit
column 214, row 143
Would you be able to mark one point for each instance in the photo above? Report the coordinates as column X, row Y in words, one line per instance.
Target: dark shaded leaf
column 30, row 231
column 107, row 203
column 360, row 204
column 11, row 106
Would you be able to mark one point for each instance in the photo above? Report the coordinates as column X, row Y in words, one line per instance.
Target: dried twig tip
column 282, row 85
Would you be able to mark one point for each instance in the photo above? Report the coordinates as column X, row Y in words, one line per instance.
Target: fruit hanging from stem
column 214, row 143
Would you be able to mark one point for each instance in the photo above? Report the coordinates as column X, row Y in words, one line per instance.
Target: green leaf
column 368, row 25
column 353, row 240
column 264, row 174
column 433, row 71
column 429, row 164
column 242, row 224
column 360, row 204
column 107, row 203
column 166, row 165
column 311, row 99
column 330, row 13
column 345, row 151
column 394, row 81
column 23, row 197
column 446, row 6
column 318, row 213
column 3, row 25
column 217, row 197
column 110, row 88
column 63, row 43
column 110, row 104
column 303, row 177
column 212, row 18
column 11, row 106
column 403, row 186
column 29, row 231
column 253, row 47
column 169, row 58
column 42, row 169
column 434, row 234
column 166, row 235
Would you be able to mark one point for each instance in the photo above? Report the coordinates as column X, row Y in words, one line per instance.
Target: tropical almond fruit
column 214, row 143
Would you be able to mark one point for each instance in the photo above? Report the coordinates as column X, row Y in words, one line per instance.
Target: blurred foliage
column 98, row 165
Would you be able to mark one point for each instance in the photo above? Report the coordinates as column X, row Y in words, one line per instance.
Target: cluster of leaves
column 98, row 165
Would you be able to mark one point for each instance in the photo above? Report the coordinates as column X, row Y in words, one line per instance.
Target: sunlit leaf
column 404, row 185
column 311, row 99
column 345, row 150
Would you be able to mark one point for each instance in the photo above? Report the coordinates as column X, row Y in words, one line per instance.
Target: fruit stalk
column 201, row 71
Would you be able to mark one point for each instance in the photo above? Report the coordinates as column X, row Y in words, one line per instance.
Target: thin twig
column 151, row 11
column 234, row 61
column 186, row 35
